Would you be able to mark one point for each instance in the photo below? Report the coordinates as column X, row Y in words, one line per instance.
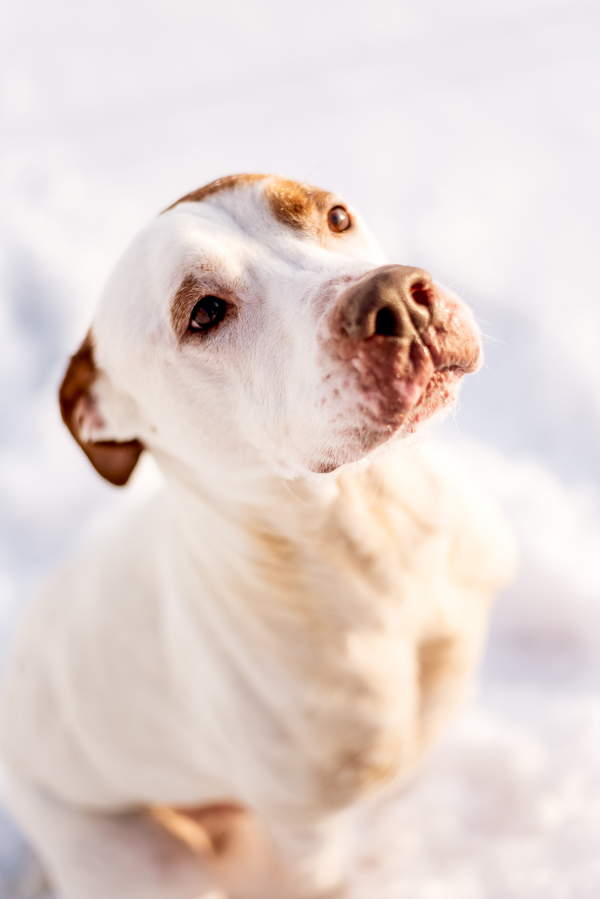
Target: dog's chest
column 339, row 614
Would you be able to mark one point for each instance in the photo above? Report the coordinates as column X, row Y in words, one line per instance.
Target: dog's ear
column 114, row 460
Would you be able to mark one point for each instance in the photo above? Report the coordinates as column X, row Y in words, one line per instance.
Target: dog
column 200, row 703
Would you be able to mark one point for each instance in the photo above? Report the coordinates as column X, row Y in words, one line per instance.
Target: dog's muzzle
column 406, row 342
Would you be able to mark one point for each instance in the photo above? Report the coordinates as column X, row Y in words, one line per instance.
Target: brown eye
column 207, row 313
column 338, row 219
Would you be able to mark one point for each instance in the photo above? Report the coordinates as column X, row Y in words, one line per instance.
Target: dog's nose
column 394, row 301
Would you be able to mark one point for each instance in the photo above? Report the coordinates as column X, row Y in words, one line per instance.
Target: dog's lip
column 439, row 393
column 462, row 369
column 416, row 402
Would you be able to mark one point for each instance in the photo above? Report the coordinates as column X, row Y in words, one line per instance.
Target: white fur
column 253, row 635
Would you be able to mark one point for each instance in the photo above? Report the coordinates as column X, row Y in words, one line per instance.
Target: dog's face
column 255, row 322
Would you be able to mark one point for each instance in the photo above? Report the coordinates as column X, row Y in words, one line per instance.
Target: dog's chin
column 439, row 395
column 382, row 419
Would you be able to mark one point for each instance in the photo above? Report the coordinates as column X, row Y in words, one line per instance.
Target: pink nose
column 395, row 301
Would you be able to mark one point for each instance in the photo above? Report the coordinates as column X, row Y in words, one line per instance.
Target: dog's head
column 256, row 322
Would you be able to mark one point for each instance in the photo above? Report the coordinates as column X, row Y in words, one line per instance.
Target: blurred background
column 468, row 133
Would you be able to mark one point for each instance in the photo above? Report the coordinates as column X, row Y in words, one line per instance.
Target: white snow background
column 468, row 133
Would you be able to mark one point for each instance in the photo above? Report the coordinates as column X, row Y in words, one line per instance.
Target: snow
column 468, row 134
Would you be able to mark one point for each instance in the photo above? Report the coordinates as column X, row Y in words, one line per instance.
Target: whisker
column 312, row 171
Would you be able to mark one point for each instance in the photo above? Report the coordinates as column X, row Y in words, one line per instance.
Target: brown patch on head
column 194, row 286
column 113, row 460
column 299, row 206
column 183, row 301
column 227, row 183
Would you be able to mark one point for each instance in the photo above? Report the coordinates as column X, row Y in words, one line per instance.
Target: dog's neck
column 238, row 494
column 252, row 526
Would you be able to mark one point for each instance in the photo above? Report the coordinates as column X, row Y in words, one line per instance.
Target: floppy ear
column 113, row 460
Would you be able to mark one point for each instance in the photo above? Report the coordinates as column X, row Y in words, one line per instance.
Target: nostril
column 386, row 323
column 420, row 294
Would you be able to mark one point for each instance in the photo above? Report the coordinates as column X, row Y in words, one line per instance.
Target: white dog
column 198, row 703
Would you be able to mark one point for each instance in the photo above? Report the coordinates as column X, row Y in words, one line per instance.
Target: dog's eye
column 338, row 219
column 207, row 313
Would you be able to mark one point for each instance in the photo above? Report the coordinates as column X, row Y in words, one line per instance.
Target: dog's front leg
column 96, row 856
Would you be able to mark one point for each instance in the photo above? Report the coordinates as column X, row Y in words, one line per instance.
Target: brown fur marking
column 206, row 830
column 443, row 663
column 436, row 655
column 299, row 206
column 183, row 302
column 227, row 183
column 184, row 828
column 113, row 460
